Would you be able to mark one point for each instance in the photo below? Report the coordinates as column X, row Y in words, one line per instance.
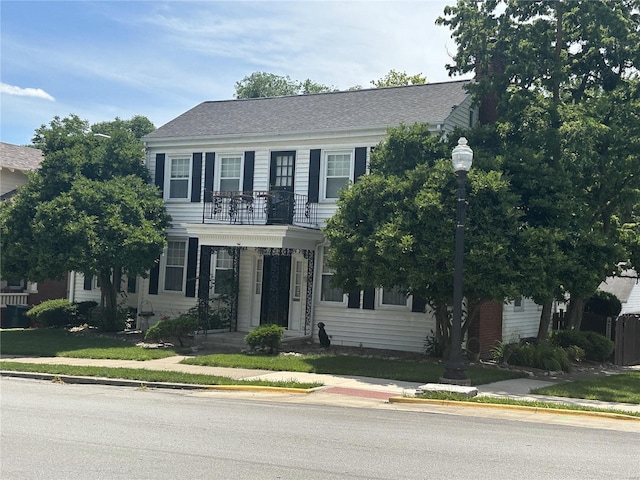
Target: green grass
column 143, row 375
column 404, row 370
column 622, row 388
column 524, row 403
column 51, row 342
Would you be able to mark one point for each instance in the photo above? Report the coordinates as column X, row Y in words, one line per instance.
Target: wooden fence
column 627, row 350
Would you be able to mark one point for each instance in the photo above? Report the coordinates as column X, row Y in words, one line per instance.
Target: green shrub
column 544, row 356
column 601, row 347
column 434, row 346
column 597, row 348
column 178, row 328
column 265, row 337
column 575, row 353
column 84, row 310
column 53, row 313
column 109, row 323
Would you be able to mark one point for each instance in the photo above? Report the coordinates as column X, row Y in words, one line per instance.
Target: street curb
column 114, row 382
column 552, row 411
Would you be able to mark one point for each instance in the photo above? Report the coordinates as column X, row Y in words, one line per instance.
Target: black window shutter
column 354, row 299
column 418, row 304
column 314, row 175
column 154, row 278
column 196, row 177
column 209, row 161
column 205, row 272
column 360, row 166
column 88, row 282
column 160, row 171
column 249, row 163
column 192, row 264
column 369, row 298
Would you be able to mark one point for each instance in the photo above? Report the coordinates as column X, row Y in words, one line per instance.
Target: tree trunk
column 443, row 325
column 545, row 321
column 574, row 313
column 109, row 296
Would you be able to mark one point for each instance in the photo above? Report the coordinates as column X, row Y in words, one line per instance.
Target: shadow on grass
column 57, row 342
column 621, row 388
column 351, row 365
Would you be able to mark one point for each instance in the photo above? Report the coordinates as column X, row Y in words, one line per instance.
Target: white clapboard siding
column 520, row 322
column 383, row 329
column 632, row 305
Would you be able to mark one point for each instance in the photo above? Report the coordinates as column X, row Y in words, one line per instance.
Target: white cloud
column 25, row 92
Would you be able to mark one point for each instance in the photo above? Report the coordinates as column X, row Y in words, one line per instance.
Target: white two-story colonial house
column 250, row 184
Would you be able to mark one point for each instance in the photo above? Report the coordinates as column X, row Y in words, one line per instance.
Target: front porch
column 13, row 298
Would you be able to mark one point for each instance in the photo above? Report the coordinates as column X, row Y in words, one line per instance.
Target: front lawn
column 143, row 375
column 57, row 342
column 622, row 388
column 410, row 371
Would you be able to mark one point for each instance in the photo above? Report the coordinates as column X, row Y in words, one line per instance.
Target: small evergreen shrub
column 601, row 347
column 178, row 328
column 597, row 348
column 107, row 323
column 84, row 310
column 434, row 346
column 53, row 313
column 265, row 337
column 544, row 356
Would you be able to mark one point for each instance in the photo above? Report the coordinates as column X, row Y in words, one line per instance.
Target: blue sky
column 107, row 59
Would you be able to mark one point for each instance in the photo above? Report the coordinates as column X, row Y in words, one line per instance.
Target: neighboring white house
column 250, row 183
column 626, row 287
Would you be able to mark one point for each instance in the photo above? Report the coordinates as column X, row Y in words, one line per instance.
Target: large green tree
column 398, row 79
column 89, row 208
column 559, row 79
column 395, row 227
column 263, row 84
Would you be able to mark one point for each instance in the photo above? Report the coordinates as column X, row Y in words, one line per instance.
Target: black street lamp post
column 455, row 365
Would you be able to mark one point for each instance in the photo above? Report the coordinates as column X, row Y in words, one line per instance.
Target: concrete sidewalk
column 340, row 385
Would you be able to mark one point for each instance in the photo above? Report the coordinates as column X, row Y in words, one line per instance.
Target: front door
column 281, row 199
column 276, row 281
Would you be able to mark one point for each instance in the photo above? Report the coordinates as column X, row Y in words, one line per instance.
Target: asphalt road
column 63, row 431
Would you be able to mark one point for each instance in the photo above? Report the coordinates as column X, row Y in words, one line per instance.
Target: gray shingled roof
column 620, row 286
column 380, row 107
column 19, row 158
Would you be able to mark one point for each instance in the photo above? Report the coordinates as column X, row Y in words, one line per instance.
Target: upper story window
column 179, row 175
column 338, row 170
column 174, row 266
column 230, row 173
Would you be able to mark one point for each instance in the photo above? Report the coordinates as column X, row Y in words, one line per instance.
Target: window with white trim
column 174, row 266
column 230, row 173
column 223, row 273
column 179, row 176
column 329, row 293
column 393, row 296
column 338, row 168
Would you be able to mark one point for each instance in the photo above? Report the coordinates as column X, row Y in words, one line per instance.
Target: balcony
column 274, row 207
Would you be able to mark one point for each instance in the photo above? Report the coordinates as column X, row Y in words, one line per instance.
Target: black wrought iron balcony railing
column 274, row 207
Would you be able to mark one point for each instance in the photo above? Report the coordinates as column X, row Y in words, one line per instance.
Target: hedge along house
column 249, row 185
